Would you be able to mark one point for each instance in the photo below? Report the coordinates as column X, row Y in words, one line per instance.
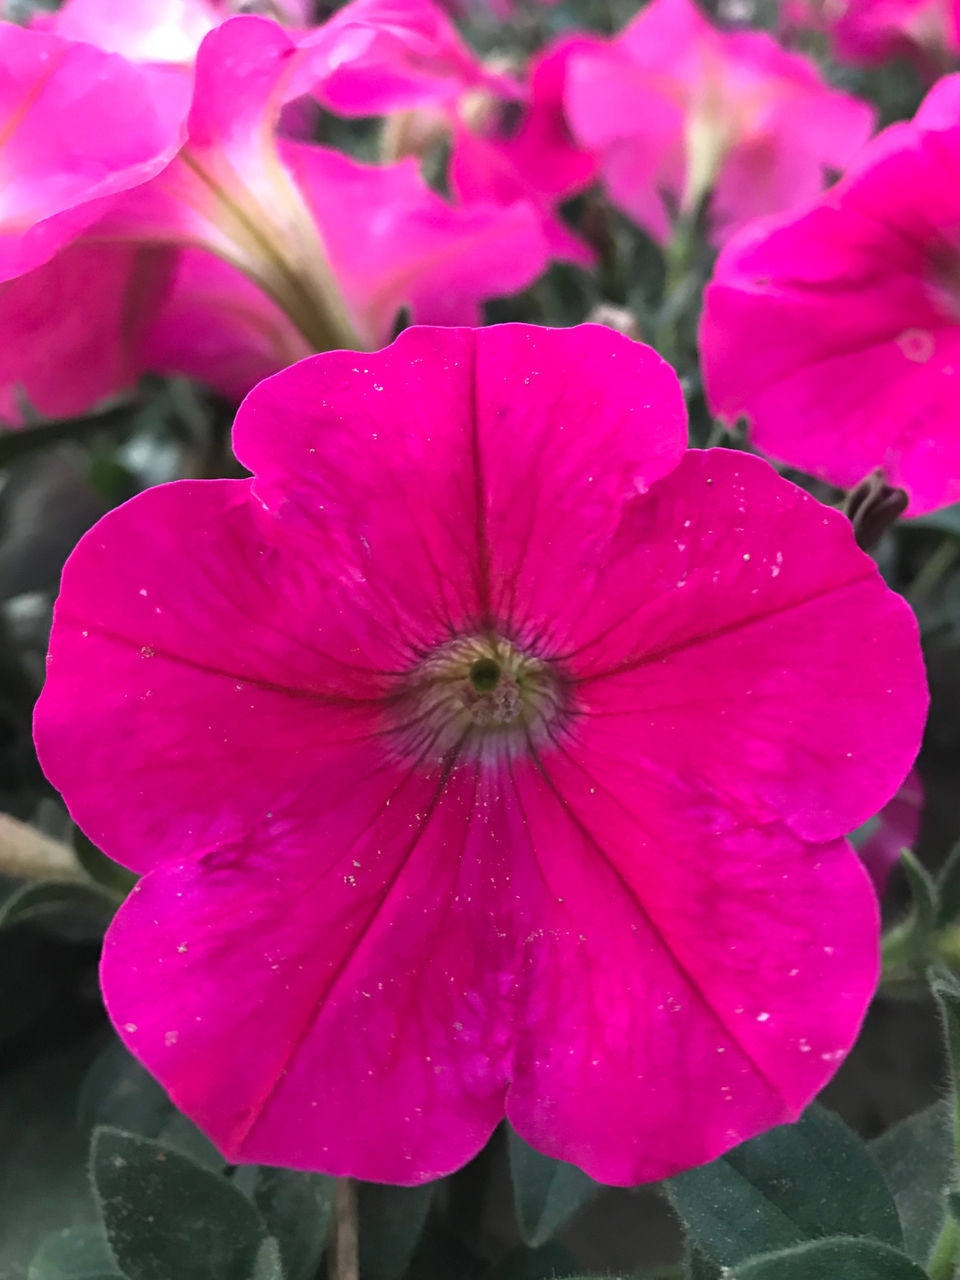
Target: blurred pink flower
column 836, row 331
column 534, row 159
column 676, row 109
column 65, row 146
column 868, row 31
column 316, row 250
column 510, row 140
column 374, row 57
column 486, row 753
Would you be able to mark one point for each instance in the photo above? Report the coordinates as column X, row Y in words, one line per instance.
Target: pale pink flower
column 677, row 109
column 835, row 332
column 486, row 753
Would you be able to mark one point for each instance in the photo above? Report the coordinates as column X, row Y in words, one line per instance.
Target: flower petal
column 533, row 437
column 63, row 145
column 691, row 986
column 742, row 637
column 248, row 653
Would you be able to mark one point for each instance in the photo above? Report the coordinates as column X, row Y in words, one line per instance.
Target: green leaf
column 546, row 1192
column 390, row 1220
column 948, row 889
column 917, row 1161
column 697, row 1266
column 946, row 991
column 946, row 520
column 840, row 1259
column 798, row 1182
column 924, row 894
column 118, row 1092
column 118, row 880
column 296, row 1208
column 169, row 1218
column 45, row 897
column 547, row 1263
column 79, row 1253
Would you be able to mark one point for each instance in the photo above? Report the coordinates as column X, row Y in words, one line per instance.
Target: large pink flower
column 836, row 332
column 486, row 753
column 676, row 108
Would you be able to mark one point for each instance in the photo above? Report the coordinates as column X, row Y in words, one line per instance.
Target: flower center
column 479, row 697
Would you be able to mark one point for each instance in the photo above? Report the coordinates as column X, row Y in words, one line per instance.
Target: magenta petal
column 72, row 332
column 392, row 242
column 480, row 430
column 64, row 146
column 374, row 57
column 219, row 328
column 374, row 1033
column 857, row 304
column 165, row 640
column 674, row 1000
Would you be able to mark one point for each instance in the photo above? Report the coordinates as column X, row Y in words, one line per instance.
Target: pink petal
column 538, row 161
column 141, row 30
column 219, row 328
column 672, row 106
column 503, row 388
column 392, row 242
column 675, row 998
column 861, row 341
column 706, row 678
column 374, row 57
column 63, row 144
column 72, row 331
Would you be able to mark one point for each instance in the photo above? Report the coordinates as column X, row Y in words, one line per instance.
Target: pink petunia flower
column 486, row 753
column 676, row 109
column 871, row 31
column 836, row 331
column 64, row 146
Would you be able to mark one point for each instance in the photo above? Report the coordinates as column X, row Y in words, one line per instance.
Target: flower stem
column 344, row 1252
column 943, row 1260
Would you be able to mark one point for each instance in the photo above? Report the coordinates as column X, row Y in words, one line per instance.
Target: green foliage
column 839, row 1259
column 796, row 1183
column 546, row 1192
column 79, row 1253
column 47, row 897
column 391, row 1220
column 917, row 1161
column 169, row 1218
column 296, row 1209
